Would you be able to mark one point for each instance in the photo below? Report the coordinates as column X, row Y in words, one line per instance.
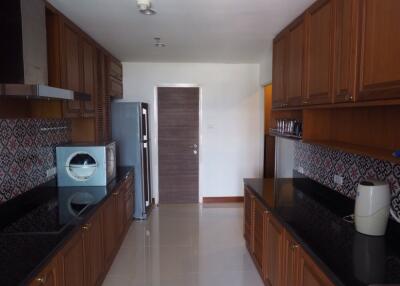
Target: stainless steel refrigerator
column 130, row 129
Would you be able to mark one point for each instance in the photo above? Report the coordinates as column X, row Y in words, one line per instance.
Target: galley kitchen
column 199, row 142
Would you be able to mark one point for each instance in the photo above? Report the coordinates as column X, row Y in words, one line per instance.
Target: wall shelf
column 276, row 133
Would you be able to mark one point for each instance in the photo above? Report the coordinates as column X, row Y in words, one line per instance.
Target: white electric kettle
column 372, row 207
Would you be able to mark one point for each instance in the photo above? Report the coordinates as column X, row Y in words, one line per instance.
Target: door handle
column 195, row 152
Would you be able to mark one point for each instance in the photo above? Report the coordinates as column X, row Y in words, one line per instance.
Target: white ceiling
column 222, row 31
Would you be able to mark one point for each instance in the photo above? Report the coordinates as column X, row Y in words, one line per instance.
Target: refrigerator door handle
column 145, row 137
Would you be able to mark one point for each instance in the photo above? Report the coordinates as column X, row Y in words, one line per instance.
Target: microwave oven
column 86, row 165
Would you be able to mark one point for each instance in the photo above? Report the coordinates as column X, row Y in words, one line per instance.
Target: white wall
column 231, row 105
column 266, row 67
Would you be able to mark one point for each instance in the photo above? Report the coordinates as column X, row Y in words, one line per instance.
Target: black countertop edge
column 298, row 239
column 334, row 202
column 63, row 238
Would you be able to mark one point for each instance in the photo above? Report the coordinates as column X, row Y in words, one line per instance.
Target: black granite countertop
column 313, row 214
column 35, row 225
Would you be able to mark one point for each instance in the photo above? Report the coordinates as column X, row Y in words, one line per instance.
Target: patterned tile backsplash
column 321, row 164
column 27, row 151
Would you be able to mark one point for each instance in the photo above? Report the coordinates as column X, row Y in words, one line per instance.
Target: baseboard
column 211, row 200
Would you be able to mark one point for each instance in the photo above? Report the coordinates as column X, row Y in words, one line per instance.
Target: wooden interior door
column 178, row 141
column 319, row 52
column 380, row 46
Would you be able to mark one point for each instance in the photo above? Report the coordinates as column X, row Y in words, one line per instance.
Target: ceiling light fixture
column 158, row 43
column 145, row 7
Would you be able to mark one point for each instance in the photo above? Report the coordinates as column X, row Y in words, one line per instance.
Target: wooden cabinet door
column 379, row 75
column 248, row 218
column 319, row 57
column 72, row 261
column 274, row 250
column 290, row 261
column 259, row 235
column 120, row 211
column 279, row 83
column 345, row 42
column 89, row 77
column 295, row 64
column 50, row 276
column 94, row 256
column 71, row 70
column 129, row 201
column 109, row 230
column 309, row 272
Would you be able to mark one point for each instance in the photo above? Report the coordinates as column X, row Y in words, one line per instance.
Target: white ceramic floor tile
column 191, row 245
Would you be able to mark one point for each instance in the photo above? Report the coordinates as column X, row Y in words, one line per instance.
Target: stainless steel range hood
column 23, row 52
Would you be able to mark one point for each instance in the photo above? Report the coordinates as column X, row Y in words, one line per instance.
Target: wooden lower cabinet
column 309, row 273
column 87, row 256
column 274, row 252
column 49, row 276
column 248, row 218
column 277, row 255
column 73, row 262
column 290, row 261
column 94, row 255
column 260, row 226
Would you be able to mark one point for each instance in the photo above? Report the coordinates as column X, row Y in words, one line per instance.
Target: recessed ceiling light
column 158, row 43
column 145, row 7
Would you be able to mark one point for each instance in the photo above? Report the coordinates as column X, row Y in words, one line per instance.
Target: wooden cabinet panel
column 94, row 255
column 114, row 87
column 89, row 77
column 49, row 276
column 309, row 272
column 259, row 235
column 71, row 68
column 380, row 45
column 279, row 71
column 345, row 42
column 73, row 263
column 274, row 250
column 248, row 218
column 295, row 64
column 115, row 69
column 290, row 261
column 109, row 230
column 120, row 212
column 319, row 52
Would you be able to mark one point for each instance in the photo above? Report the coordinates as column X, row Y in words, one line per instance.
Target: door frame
column 155, row 137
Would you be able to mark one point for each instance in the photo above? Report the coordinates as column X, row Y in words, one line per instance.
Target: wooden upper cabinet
column 379, row 75
column 295, row 62
column 319, row 56
column 71, row 67
column 274, row 252
column 114, row 82
column 89, row 61
column 309, row 273
column 279, row 71
column 345, row 43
